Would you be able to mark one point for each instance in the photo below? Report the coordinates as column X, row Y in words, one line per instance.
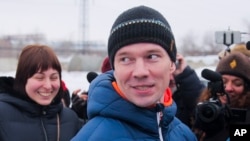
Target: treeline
column 10, row 45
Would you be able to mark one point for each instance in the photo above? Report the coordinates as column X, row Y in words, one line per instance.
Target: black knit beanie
column 141, row 24
column 237, row 64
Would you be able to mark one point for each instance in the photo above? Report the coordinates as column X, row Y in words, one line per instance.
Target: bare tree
column 209, row 45
column 189, row 45
column 247, row 23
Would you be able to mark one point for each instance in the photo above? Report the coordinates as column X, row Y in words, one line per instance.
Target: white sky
column 60, row 19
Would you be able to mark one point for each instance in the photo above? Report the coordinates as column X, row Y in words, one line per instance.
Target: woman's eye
column 54, row 78
column 238, row 84
column 39, row 77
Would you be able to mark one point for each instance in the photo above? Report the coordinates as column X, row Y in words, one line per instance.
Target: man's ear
column 172, row 67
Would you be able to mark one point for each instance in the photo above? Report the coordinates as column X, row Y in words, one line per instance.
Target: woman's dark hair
column 32, row 59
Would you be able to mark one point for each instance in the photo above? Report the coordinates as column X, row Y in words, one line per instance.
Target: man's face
column 142, row 72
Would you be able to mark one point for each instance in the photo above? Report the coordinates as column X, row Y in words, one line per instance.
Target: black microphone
column 211, row 75
column 91, row 76
column 248, row 45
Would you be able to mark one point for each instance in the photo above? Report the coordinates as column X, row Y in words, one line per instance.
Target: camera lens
column 208, row 112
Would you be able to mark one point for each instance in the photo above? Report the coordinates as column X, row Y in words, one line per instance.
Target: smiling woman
column 33, row 99
column 38, row 65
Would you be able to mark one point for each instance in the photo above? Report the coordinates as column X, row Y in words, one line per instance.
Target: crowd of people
column 145, row 91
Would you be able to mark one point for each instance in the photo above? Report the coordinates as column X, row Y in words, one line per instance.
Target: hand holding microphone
column 215, row 83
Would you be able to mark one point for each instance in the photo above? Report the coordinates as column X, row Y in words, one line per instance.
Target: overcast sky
column 60, row 19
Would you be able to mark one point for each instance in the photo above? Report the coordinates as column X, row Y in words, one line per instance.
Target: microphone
column 248, row 45
column 91, row 76
column 215, row 85
column 211, row 75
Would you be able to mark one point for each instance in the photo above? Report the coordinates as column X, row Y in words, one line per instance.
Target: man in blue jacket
column 130, row 102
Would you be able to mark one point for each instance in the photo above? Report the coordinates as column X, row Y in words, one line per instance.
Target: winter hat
column 236, row 48
column 105, row 65
column 237, row 64
column 241, row 48
column 223, row 53
column 141, row 24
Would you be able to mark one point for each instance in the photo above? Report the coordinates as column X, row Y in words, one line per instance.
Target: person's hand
column 181, row 64
column 79, row 103
column 79, row 100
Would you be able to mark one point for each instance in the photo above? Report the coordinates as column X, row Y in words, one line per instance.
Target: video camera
column 211, row 110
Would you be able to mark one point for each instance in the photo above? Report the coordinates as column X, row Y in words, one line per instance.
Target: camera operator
column 214, row 113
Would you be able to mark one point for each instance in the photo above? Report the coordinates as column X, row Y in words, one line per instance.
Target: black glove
column 79, row 106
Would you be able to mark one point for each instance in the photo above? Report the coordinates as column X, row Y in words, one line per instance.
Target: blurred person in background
column 105, row 65
column 65, row 95
column 79, row 104
column 30, row 104
column 186, row 88
column 79, row 99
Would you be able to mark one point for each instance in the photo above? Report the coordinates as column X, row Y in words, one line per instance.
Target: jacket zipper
column 43, row 127
column 158, row 114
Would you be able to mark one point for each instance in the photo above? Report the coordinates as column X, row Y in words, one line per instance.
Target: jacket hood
column 103, row 100
column 6, row 84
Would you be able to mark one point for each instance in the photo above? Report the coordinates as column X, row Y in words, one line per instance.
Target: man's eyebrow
column 122, row 53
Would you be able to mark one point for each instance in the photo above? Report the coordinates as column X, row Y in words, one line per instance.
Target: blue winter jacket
column 112, row 118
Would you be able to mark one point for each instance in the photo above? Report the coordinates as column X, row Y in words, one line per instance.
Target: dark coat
column 22, row 119
column 189, row 88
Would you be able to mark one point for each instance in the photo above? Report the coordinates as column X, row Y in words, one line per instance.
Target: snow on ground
column 208, row 60
column 75, row 80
